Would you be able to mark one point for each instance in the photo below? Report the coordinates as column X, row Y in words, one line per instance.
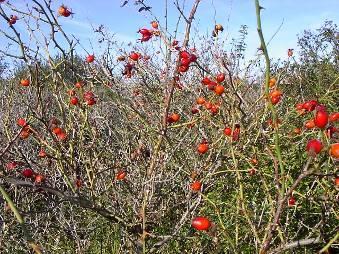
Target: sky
column 282, row 18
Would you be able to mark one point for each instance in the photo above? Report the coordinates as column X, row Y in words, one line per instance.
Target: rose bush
column 162, row 146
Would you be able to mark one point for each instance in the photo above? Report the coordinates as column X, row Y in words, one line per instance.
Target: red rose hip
column 201, row 223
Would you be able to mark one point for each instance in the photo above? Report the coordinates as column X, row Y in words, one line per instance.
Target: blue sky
column 296, row 15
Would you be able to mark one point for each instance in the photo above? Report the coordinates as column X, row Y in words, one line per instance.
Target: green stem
column 270, row 105
column 328, row 245
column 11, row 205
column 20, row 220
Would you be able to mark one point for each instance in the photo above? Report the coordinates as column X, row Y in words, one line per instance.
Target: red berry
column 39, row 178
column 333, row 117
column 321, row 119
column 196, row 186
column 193, row 58
column 28, row 173
column 252, row 171
column 206, row 81
column 64, row 11
column 175, row 117
column 334, row 150
column 184, row 54
column 299, row 106
column 291, row 201
column 78, row 183
column 236, row 133
column 185, row 61
column 25, row 82
column 57, row 130
column 219, row 90
column 228, row 131
column 90, row 58
column 310, row 105
column 336, row 181
column 88, row 95
column 74, row 100
column 62, row 136
column 154, row 24
column 201, row 100
column 79, row 84
column 220, row 77
column 201, row 223
column 183, row 68
column 214, row 109
column 145, row 32
column 91, row 102
column 310, row 124
column 21, row 122
column 121, row 175
column 202, row 148
column 134, row 56
column 12, row 20
column 11, row 165
column 208, row 105
column 211, row 86
column 314, row 146
column 195, row 110
column 275, row 99
column 42, row 153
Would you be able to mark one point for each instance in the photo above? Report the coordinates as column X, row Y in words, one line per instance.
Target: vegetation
column 162, row 147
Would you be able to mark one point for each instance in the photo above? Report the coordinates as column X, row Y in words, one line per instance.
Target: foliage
column 122, row 124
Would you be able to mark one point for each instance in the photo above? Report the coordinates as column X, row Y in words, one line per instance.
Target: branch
column 282, row 203
column 295, row 244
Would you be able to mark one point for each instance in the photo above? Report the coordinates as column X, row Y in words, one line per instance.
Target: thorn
column 261, row 8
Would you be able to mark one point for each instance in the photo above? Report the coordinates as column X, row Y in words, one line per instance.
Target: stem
column 20, row 220
column 270, row 105
column 281, row 205
column 168, row 99
column 328, row 245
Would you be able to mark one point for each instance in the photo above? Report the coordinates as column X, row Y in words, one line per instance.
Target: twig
column 282, row 203
column 295, row 244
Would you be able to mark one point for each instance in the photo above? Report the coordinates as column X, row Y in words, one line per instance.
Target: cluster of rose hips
column 235, row 133
column 26, row 129
column 320, row 119
column 215, row 86
column 275, row 94
column 186, row 59
column 60, row 133
column 88, row 96
column 213, row 108
column 129, row 66
column 148, row 33
column 27, row 172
